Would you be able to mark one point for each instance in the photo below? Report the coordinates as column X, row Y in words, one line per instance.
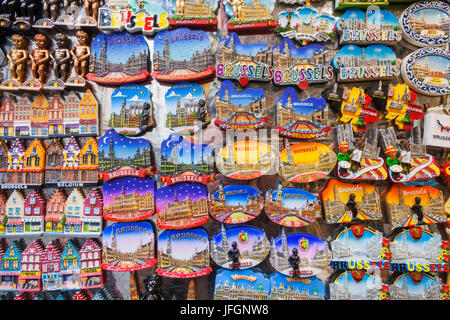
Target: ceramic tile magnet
column 250, row 15
column 356, row 285
column 249, row 284
column 417, row 286
column 194, row 13
column 310, row 288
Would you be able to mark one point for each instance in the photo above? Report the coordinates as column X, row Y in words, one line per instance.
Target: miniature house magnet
column 436, row 129
column 11, row 266
column 249, row 284
column 356, row 285
column 291, row 207
column 182, row 55
column 287, row 288
column 181, row 205
column 417, row 286
column 30, row 269
column 194, row 13
column 235, row 203
column 239, row 247
column 249, row 15
column 128, row 246
column 70, row 266
column 51, row 272
column 240, row 110
column 183, row 254
column 345, row 202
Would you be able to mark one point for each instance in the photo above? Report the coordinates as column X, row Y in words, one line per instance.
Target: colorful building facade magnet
column 181, row 205
column 70, row 266
column 306, row 161
column 201, row 14
column 249, row 284
column 235, row 203
column 291, row 207
column 239, row 247
column 128, row 246
column 119, row 58
column 128, row 199
column 91, row 265
column 436, row 129
column 300, row 255
column 346, row 202
column 30, row 269
column 410, row 206
column 11, row 266
column 183, row 254
column 240, row 110
column 182, row 55
column 51, row 267
column 425, row 23
column 301, row 119
column 249, row 15
column 417, row 286
column 287, row 288
column 356, row 285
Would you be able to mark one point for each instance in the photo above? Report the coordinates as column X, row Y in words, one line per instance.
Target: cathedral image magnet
column 417, row 286
column 248, row 284
column 356, row 285
column 249, row 15
column 287, row 288
column 200, row 14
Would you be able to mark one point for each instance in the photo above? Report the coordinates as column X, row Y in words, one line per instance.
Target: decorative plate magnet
column 301, row 66
column 306, row 161
column 186, row 110
column 121, row 156
column 410, row 206
column 193, row 13
column 183, row 253
column 128, row 199
column 131, row 110
column 183, row 161
column 417, row 286
column 119, row 58
column 358, row 157
column 300, row 288
column 356, row 285
column 424, row 23
column 245, row 160
column 345, row 202
column 235, row 204
column 182, row 55
column 249, row 284
column 374, row 26
column 375, row 62
column 292, row 207
column 240, row 110
column 345, row 4
column 306, row 24
column 244, row 63
column 301, row 119
column 239, row 247
column 128, row 246
column 425, row 70
column 249, row 15
column 181, row 205
column 300, row 255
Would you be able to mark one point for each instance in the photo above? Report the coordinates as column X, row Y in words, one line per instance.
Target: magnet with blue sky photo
column 417, row 286
column 287, row 288
column 199, row 14
column 249, row 15
column 248, row 284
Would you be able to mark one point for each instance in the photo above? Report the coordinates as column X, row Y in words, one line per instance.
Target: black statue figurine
column 203, row 114
column 10, row 7
column 145, row 117
column 294, row 261
column 29, row 9
column 417, row 209
column 152, row 288
column 352, row 206
column 233, row 255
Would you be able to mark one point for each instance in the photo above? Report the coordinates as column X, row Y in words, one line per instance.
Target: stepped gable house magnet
column 120, row 156
column 249, row 15
column 235, row 204
column 243, row 62
column 287, row 288
column 239, row 247
column 409, row 206
column 128, row 246
column 11, row 266
column 301, row 66
column 183, row 161
column 51, row 272
column 70, row 266
column 181, row 205
column 119, row 58
column 249, row 284
column 375, row 62
column 182, row 55
column 356, row 285
column 425, row 23
column 183, row 254
column 240, row 110
column 91, row 264
column 417, row 286
column 345, row 202
column 197, row 13
column 131, row 110
column 301, row 119
column 291, row 207
column 300, row 255
column 374, row 26
column 128, row 199
column 30, row 269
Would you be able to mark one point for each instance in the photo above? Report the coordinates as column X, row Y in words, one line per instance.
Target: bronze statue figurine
column 417, row 209
column 18, row 58
column 61, row 57
column 233, row 255
column 51, row 9
column 81, row 53
column 352, row 206
column 294, row 261
column 40, row 58
column 91, row 8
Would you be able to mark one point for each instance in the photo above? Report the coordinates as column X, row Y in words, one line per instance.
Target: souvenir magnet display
column 240, row 110
column 425, row 23
column 417, row 286
column 183, row 161
column 425, row 70
column 409, row 206
column 306, row 161
column 250, row 284
column 300, row 255
column 249, row 15
column 193, row 13
column 183, row 253
column 245, row 160
column 26, row 13
column 436, row 130
column 345, row 202
column 182, row 55
column 91, row 264
column 18, row 60
column 119, row 58
column 181, row 205
column 128, row 199
column 292, row 207
column 81, row 54
column 306, row 24
column 235, row 203
column 128, row 246
column 345, row 4
column 287, row 288
column 301, row 66
column 243, row 62
column 31, row 261
column 70, row 266
column 356, row 285
column 239, row 247
column 301, row 119
column 131, row 110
